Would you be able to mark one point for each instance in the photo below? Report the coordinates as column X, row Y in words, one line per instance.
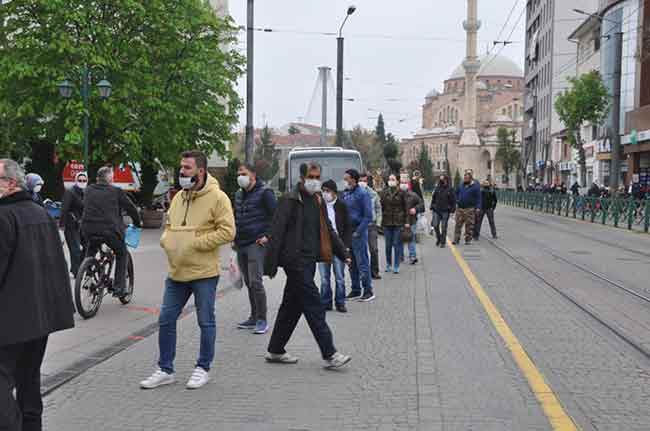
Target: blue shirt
column 359, row 206
column 469, row 196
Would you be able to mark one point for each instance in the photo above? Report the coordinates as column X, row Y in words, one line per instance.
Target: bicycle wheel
column 130, row 282
column 88, row 288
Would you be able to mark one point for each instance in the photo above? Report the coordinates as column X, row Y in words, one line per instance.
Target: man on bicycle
column 102, row 222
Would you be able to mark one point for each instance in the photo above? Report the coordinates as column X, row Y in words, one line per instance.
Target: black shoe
column 328, row 307
column 437, row 242
column 367, row 297
column 468, row 241
column 495, row 237
column 353, row 296
column 442, row 245
column 476, row 238
column 414, row 261
column 376, row 277
column 455, row 242
column 341, row 308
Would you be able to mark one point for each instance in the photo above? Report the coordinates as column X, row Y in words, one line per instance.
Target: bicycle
column 94, row 281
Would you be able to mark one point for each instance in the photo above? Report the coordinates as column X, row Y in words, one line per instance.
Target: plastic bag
column 132, row 237
column 422, row 224
column 233, row 277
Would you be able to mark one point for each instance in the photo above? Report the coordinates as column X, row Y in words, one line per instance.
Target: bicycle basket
column 132, row 238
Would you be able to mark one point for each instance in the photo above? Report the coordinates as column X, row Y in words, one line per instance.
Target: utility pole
column 250, row 130
column 339, row 79
column 324, row 75
column 615, row 135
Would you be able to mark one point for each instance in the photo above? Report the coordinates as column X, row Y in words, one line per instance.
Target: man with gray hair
column 102, row 222
column 35, row 298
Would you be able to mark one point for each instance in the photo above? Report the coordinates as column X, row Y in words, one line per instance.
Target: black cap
column 330, row 185
column 354, row 174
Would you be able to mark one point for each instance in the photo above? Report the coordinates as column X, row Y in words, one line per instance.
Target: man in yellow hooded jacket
column 199, row 221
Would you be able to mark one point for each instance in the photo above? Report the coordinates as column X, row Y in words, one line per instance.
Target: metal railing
column 634, row 214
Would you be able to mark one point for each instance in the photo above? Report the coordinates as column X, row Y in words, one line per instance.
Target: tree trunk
column 582, row 160
column 45, row 163
column 149, row 180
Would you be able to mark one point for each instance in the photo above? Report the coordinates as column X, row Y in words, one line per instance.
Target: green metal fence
column 630, row 213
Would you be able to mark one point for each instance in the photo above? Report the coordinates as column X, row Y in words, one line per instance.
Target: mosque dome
column 492, row 65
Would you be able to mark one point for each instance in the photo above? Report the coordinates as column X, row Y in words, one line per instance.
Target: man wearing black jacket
column 337, row 214
column 102, row 222
column 488, row 205
column 301, row 236
column 35, row 298
column 443, row 204
column 71, row 212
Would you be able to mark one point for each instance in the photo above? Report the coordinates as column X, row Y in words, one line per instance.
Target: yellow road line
column 559, row 419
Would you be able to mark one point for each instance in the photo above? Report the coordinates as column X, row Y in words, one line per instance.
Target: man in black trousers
column 301, row 236
column 35, row 298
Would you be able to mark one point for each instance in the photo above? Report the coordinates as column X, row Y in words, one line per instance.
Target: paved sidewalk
column 424, row 358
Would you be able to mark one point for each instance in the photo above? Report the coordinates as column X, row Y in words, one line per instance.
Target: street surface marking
column 559, row 419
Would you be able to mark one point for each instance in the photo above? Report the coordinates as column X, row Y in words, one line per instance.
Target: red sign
column 122, row 175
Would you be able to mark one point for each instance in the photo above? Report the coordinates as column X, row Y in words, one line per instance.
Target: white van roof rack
column 318, row 149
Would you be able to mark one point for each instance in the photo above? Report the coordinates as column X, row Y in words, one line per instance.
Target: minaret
column 472, row 66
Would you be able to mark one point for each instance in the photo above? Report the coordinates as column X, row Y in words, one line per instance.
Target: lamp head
column 351, row 9
column 65, row 88
column 105, row 89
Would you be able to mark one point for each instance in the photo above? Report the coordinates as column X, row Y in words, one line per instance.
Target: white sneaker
column 337, row 361
column 198, row 378
column 158, row 378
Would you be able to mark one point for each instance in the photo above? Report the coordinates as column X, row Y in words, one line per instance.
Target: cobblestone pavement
column 425, row 354
column 424, row 358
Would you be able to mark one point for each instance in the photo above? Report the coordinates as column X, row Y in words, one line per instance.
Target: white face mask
column 328, row 196
column 186, row 183
column 38, row 188
column 392, row 183
column 404, row 187
column 82, row 186
column 348, row 186
column 363, row 184
column 312, row 186
column 244, row 181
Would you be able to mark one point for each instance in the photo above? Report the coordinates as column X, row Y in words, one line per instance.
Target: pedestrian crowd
column 314, row 228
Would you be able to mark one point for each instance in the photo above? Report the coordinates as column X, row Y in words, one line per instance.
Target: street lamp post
column 339, row 79
column 66, row 88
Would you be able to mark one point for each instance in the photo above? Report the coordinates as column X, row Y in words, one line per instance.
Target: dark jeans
column 251, row 265
column 115, row 242
column 72, row 235
column 360, row 269
column 374, row 249
column 176, row 296
column 392, row 237
column 479, row 223
column 301, row 297
column 20, row 368
column 440, row 221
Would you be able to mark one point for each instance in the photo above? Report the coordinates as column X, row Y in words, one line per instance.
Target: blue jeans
column 393, row 246
column 412, row 247
column 360, row 270
column 176, row 296
column 325, row 270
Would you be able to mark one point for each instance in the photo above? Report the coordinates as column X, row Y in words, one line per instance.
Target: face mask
column 186, row 183
column 404, row 187
column 363, row 184
column 38, row 188
column 329, row 197
column 392, row 183
column 244, row 181
column 82, row 186
column 312, row 186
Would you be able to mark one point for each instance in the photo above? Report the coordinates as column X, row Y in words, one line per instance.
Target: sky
column 395, row 53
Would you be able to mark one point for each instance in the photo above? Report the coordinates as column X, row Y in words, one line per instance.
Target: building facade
column 550, row 60
column 636, row 142
column 460, row 123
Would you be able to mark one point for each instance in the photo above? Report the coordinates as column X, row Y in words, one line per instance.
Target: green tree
column 587, row 100
column 425, row 166
column 266, row 156
column 230, row 185
column 380, row 131
column 392, row 154
column 507, row 152
column 173, row 75
column 364, row 142
column 457, row 178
